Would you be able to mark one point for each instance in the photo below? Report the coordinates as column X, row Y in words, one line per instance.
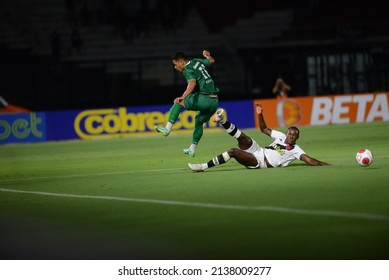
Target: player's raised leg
column 173, row 115
column 230, row 128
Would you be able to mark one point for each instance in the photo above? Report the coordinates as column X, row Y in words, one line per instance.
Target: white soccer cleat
column 219, row 116
column 162, row 129
column 189, row 152
column 196, row 167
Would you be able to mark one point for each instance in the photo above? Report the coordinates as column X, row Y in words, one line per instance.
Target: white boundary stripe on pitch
column 340, row 214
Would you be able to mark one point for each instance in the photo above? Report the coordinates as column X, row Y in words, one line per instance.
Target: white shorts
column 258, row 152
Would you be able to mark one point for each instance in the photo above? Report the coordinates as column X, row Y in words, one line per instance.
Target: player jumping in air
column 201, row 95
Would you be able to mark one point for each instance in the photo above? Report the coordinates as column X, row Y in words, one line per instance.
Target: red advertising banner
column 323, row 110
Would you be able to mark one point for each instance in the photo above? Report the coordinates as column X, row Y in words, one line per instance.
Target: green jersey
column 196, row 69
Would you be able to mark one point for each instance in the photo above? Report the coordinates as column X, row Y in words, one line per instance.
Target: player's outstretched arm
column 261, row 120
column 312, row 161
column 208, row 56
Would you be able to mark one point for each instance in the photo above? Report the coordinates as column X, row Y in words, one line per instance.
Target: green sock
column 197, row 132
column 174, row 112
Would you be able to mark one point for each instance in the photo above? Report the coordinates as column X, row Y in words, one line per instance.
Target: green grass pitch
column 135, row 198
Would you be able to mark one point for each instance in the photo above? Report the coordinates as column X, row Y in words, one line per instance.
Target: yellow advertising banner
column 323, row 110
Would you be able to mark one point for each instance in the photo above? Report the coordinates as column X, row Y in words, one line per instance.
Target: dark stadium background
column 68, row 54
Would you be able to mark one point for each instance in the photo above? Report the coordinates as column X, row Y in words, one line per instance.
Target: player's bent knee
column 233, row 152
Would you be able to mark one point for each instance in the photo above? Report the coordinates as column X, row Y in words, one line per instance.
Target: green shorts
column 205, row 104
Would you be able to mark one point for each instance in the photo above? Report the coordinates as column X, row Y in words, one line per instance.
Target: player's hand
column 258, row 108
column 206, row 53
column 178, row 100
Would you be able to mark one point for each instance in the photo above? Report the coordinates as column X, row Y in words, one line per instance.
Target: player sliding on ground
column 280, row 153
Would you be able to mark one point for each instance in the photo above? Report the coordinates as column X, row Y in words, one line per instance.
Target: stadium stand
column 127, row 40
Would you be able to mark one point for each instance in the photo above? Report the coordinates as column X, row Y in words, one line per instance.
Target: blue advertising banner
column 108, row 122
column 22, row 127
column 60, row 125
column 126, row 121
column 241, row 113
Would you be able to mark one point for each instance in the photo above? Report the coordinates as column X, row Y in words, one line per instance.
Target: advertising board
column 22, row 127
column 325, row 110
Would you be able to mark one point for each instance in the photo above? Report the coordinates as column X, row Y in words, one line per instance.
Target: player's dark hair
column 295, row 128
column 180, row 56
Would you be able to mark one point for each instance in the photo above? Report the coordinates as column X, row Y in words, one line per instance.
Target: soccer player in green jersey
column 201, row 95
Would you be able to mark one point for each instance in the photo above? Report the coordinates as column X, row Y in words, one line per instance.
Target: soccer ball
column 364, row 157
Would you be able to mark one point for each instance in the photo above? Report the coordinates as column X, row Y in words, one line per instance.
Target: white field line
column 88, row 174
column 324, row 213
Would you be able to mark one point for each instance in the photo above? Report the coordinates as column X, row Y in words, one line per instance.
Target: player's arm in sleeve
column 261, row 120
column 189, row 89
column 208, row 56
column 312, row 161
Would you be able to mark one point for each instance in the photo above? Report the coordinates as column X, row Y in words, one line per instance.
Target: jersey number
column 204, row 72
